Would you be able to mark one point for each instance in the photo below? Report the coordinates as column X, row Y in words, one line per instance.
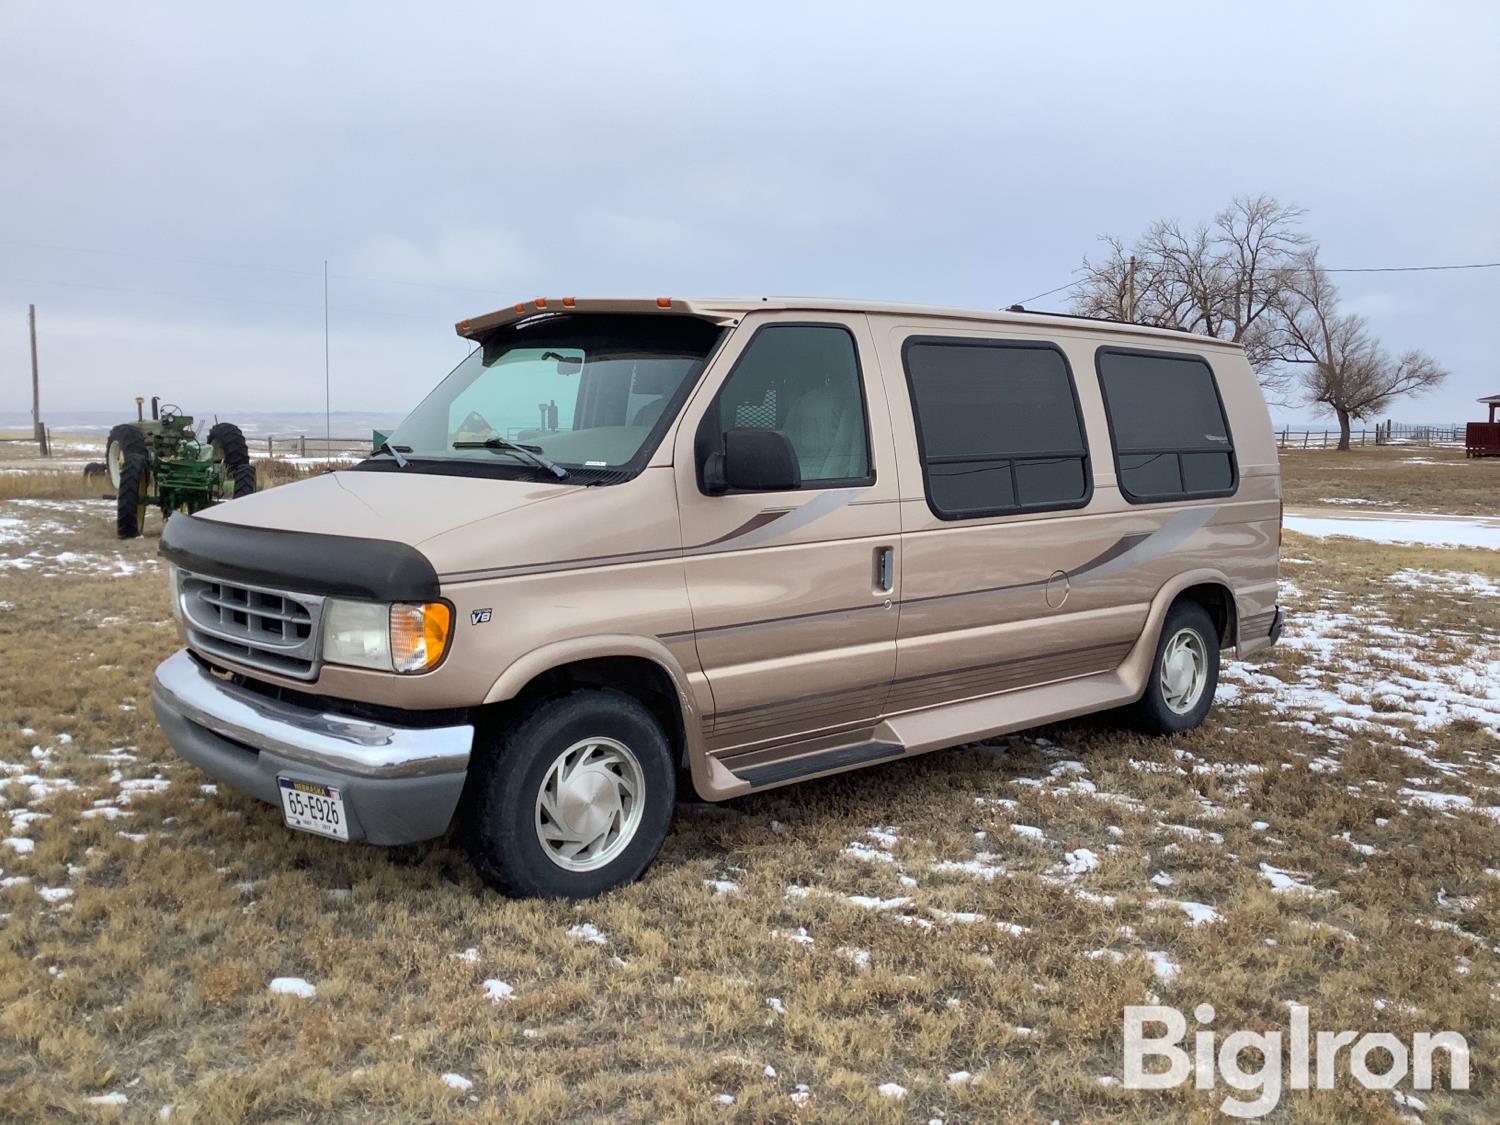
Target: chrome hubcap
column 590, row 804
column 1184, row 671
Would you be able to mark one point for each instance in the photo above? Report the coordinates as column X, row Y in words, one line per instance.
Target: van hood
column 391, row 506
column 452, row 529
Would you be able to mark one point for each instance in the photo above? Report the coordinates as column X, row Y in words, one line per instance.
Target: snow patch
column 293, row 986
column 1477, row 532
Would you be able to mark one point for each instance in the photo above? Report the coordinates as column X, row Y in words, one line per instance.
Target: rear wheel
column 126, row 460
column 573, row 799
column 244, row 480
column 233, row 452
column 1184, row 674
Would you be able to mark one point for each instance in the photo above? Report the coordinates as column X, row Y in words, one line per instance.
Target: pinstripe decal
column 764, row 525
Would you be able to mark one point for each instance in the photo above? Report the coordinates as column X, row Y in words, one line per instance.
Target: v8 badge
column 479, row 616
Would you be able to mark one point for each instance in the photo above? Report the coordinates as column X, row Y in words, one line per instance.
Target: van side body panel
column 794, row 633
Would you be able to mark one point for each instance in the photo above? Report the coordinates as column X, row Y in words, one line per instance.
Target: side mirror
column 753, row 461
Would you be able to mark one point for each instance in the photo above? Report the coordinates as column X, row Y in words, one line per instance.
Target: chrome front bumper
column 401, row 783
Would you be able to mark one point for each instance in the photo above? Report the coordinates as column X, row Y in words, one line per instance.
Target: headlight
column 405, row 637
column 357, row 633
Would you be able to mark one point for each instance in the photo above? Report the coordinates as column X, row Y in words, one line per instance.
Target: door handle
column 885, row 563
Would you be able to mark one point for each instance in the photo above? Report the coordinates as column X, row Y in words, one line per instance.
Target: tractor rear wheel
column 244, row 480
column 127, row 459
column 231, row 449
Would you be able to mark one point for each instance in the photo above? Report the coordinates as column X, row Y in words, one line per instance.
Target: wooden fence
column 315, row 446
column 1385, row 434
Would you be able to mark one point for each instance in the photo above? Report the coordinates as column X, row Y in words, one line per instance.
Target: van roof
column 728, row 310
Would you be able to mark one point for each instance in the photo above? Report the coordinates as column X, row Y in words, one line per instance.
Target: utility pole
column 38, row 431
column 1130, row 292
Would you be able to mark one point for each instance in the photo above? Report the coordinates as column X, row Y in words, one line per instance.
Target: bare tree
column 1346, row 370
column 1224, row 279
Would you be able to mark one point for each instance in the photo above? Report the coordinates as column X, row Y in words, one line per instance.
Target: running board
column 839, row 758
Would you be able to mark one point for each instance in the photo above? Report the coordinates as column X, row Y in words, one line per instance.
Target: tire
column 1166, row 708
column 126, row 461
column 231, row 449
column 506, row 815
column 244, row 480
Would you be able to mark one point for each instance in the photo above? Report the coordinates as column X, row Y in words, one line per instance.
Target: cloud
column 615, row 232
column 221, row 367
column 481, row 257
column 208, row 158
column 1376, row 303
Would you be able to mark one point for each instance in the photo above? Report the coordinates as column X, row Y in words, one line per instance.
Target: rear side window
column 998, row 426
column 1167, row 421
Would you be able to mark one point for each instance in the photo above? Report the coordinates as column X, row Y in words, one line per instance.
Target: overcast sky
column 172, row 176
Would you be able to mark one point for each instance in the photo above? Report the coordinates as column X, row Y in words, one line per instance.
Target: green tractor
column 161, row 461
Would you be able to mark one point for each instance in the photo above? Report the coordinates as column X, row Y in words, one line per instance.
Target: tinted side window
column 804, row 380
column 1171, row 437
column 998, row 425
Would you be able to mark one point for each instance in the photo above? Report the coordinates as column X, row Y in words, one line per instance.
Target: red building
column 1482, row 439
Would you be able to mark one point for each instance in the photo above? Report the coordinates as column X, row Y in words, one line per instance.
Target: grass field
column 951, row 938
column 1409, row 478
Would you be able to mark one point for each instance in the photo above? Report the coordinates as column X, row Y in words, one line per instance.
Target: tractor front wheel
column 127, row 460
column 233, row 452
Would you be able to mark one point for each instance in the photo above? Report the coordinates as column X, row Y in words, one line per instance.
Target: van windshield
column 589, row 391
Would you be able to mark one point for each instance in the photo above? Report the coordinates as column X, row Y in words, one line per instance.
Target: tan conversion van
column 628, row 543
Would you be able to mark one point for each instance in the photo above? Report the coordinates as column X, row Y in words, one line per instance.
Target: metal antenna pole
column 327, row 394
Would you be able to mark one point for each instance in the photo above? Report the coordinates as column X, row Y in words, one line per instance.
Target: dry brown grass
column 151, row 977
column 270, row 473
column 51, row 486
column 1406, row 478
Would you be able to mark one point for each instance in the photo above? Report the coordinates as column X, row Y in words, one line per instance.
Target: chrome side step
column 840, row 757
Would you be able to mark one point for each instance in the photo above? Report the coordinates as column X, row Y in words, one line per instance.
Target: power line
column 154, row 257
column 1325, row 269
column 178, row 295
column 1414, row 269
column 1049, row 292
column 220, row 263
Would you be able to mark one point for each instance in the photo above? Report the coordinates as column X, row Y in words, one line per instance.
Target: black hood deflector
column 341, row 566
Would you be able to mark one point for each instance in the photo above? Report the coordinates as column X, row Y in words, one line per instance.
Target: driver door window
column 804, row 380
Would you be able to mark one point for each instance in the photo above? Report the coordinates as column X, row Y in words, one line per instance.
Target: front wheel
column 573, row 799
column 1184, row 674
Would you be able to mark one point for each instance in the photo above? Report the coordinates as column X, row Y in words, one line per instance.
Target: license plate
column 310, row 807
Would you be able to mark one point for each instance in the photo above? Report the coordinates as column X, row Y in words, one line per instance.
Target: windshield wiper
column 395, row 451
column 531, row 453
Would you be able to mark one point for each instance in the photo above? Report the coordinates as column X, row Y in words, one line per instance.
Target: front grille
column 272, row 630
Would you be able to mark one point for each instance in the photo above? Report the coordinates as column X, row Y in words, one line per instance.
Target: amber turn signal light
column 419, row 634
